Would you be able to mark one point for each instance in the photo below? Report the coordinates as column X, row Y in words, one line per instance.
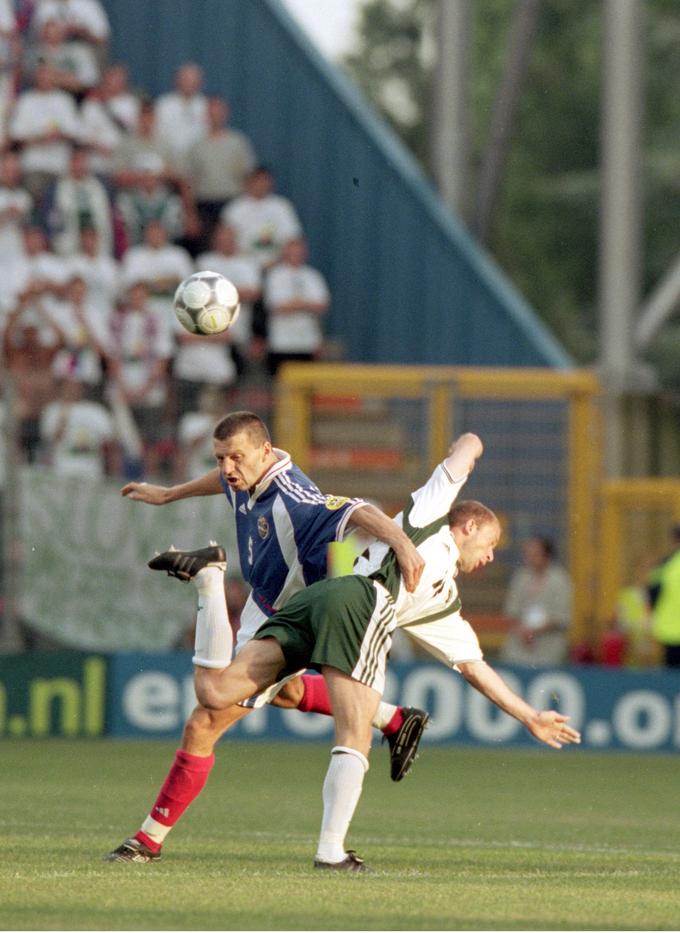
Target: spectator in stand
column 195, row 451
column 199, row 361
column 142, row 348
column 218, row 165
column 100, row 272
column 10, row 57
column 135, row 145
column 182, row 115
column 75, row 432
column 263, row 221
column 244, row 272
column 664, row 599
column 159, row 264
column 76, row 201
column 30, row 341
column 15, row 209
column 84, row 21
column 37, row 271
column 296, row 296
column 45, row 123
column 539, row 605
column 149, row 199
column 108, row 115
column 76, row 69
column 85, row 336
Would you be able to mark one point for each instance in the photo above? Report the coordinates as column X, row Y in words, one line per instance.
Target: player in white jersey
column 343, row 628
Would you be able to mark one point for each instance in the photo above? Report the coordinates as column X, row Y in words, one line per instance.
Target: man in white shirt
column 101, row 272
column 74, row 432
column 45, row 123
column 181, row 115
column 15, row 208
column 84, row 20
column 108, row 115
column 158, row 263
column 263, row 221
column 296, row 297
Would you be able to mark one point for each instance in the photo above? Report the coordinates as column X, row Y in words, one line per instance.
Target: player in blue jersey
column 284, row 525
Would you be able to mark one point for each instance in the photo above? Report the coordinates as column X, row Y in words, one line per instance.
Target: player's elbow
column 471, row 671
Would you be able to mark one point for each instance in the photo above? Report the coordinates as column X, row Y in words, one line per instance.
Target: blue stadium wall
column 408, row 284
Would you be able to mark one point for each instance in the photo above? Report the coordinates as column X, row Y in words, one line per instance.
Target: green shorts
column 344, row 623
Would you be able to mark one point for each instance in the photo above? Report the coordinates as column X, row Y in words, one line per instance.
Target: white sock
column 383, row 714
column 214, row 642
column 341, row 792
column 155, row 830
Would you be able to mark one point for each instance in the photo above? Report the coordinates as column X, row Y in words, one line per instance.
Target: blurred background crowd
column 108, row 199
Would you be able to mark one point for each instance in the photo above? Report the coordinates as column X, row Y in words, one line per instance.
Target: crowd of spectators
column 108, row 199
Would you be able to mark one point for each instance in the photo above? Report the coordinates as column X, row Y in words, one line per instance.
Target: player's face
column 242, row 462
column 477, row 545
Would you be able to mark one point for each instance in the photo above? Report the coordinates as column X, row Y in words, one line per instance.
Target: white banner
column 85, row 582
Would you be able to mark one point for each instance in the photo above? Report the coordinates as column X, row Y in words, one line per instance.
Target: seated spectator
column 195, row 451
column 75, row 65
column 10, row 58
column 75, row 201
column 663, row 589
column 539, row 606
column 149, row 199
column 45, row 123
column 240, row 269
column 217, row 165
column 84, row 21
column 75, row 432
column 100, row 272
column 181, row 115
column 138, row 369
column 108, row 115
column 15, row 208
column 263, row 221
column 85, row 336
column 157, row 263
column 296, row 296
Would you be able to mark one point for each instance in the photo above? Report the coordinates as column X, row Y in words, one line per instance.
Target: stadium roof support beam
column 660, row 305
column 450, row 101
column 620, row 212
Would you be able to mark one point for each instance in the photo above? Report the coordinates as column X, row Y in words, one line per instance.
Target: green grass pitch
column 473, row 839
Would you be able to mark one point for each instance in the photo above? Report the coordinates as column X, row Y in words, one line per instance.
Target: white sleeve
column 435, row 498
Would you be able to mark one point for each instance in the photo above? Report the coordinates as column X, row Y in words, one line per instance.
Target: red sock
column 315, row 698
column 395, row 722
column 185, row 781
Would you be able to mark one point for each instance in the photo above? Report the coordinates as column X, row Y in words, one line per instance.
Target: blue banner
column 151, row 695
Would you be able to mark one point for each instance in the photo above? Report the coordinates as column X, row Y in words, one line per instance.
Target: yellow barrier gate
column 377, row 431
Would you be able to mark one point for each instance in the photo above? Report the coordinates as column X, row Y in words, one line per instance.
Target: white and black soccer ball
column 206, row 303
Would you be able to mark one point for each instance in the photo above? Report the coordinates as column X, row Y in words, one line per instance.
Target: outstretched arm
column 462, row 455
column 549, row 726
column 207, row 485
column 375, row 523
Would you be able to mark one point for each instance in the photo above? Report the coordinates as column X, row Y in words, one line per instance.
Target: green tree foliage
column 546, row 226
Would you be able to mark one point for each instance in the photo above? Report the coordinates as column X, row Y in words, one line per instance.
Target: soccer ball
column 206, row 303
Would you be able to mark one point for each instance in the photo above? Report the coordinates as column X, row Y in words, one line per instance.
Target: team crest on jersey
column 333, row 503
column 262, row 527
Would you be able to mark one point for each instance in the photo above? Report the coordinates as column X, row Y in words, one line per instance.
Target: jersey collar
column 282, row 464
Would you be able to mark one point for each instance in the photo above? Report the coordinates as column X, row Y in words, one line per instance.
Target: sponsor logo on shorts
column 262, row 527
column 333, row 503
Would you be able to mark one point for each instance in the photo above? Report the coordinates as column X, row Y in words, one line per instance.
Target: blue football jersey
column 283, row 530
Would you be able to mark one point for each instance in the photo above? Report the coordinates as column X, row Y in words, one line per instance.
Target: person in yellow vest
column 664, row 596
